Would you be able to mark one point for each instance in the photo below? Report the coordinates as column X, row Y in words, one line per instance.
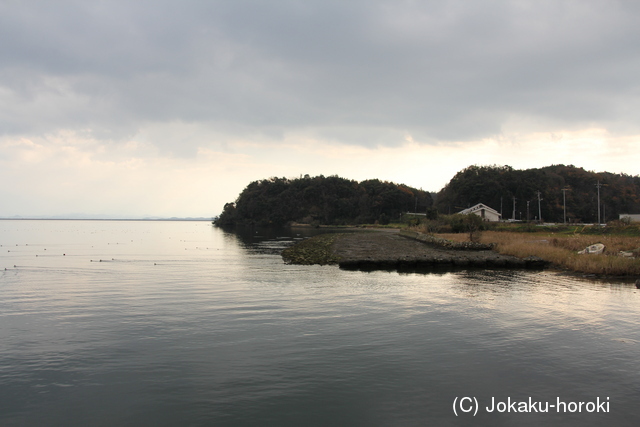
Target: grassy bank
column 562, row 250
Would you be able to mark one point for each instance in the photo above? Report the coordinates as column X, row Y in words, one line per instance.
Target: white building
column 483, row 211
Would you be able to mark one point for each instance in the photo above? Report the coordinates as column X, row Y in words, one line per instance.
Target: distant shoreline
column 107, row 219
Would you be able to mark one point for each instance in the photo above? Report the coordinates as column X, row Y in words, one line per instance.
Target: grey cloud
column 444, row 70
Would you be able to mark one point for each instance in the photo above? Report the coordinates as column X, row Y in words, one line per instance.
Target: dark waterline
column 180, row 323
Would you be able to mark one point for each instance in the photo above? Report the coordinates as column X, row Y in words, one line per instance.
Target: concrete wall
column 488, row 215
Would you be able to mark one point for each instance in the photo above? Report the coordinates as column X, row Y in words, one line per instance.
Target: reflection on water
column 273, row 239
column 167, row 323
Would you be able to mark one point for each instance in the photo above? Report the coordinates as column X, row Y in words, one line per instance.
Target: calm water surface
column 110, row 323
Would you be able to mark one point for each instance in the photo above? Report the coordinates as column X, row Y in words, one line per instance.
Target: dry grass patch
column 562, row 250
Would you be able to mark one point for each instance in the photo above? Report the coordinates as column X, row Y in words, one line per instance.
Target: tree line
column 318, row 200
column 496, row 186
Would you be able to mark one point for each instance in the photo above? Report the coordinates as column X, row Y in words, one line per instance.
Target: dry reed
column 562, row 251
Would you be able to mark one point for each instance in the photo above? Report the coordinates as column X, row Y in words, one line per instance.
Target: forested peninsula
column 517, row 194
column 322, row 200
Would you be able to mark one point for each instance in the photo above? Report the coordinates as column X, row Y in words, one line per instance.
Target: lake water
column 135, row 323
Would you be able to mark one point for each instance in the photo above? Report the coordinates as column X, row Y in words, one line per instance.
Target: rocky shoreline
column 389, row 250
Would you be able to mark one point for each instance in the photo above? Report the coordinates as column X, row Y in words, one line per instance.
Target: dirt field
column 388, row 249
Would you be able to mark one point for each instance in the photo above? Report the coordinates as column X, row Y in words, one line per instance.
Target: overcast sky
column 139, row 108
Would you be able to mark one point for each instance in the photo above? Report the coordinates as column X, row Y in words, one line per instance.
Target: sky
column 159, row 108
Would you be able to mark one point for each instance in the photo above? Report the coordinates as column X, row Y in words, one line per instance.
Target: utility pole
column 598, row 185
column 528, row 210
column 564, row 205
column 539, row 209
column 514, row 208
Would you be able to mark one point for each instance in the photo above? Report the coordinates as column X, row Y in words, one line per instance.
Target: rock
column 461, row 262
column 444, row 243
column 500, row 262
column 535, row 262
column 596, row 249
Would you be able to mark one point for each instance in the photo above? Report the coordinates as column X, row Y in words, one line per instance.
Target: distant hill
column 322, row 200
column 496, row 186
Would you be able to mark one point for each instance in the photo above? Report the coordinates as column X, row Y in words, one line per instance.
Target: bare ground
column 389, row 249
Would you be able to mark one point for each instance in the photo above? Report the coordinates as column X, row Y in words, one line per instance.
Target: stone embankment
column 393, row 250
column 446, row 244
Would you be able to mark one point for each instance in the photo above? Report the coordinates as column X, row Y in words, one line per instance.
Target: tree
column 473, row 224
column 322, row 200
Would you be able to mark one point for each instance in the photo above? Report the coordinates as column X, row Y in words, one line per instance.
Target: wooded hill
column 322, row 200
column 495, row 186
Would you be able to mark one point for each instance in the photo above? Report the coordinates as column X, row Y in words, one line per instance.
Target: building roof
column 478, row 207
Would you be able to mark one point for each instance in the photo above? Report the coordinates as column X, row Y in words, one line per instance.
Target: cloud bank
column 158, row 82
